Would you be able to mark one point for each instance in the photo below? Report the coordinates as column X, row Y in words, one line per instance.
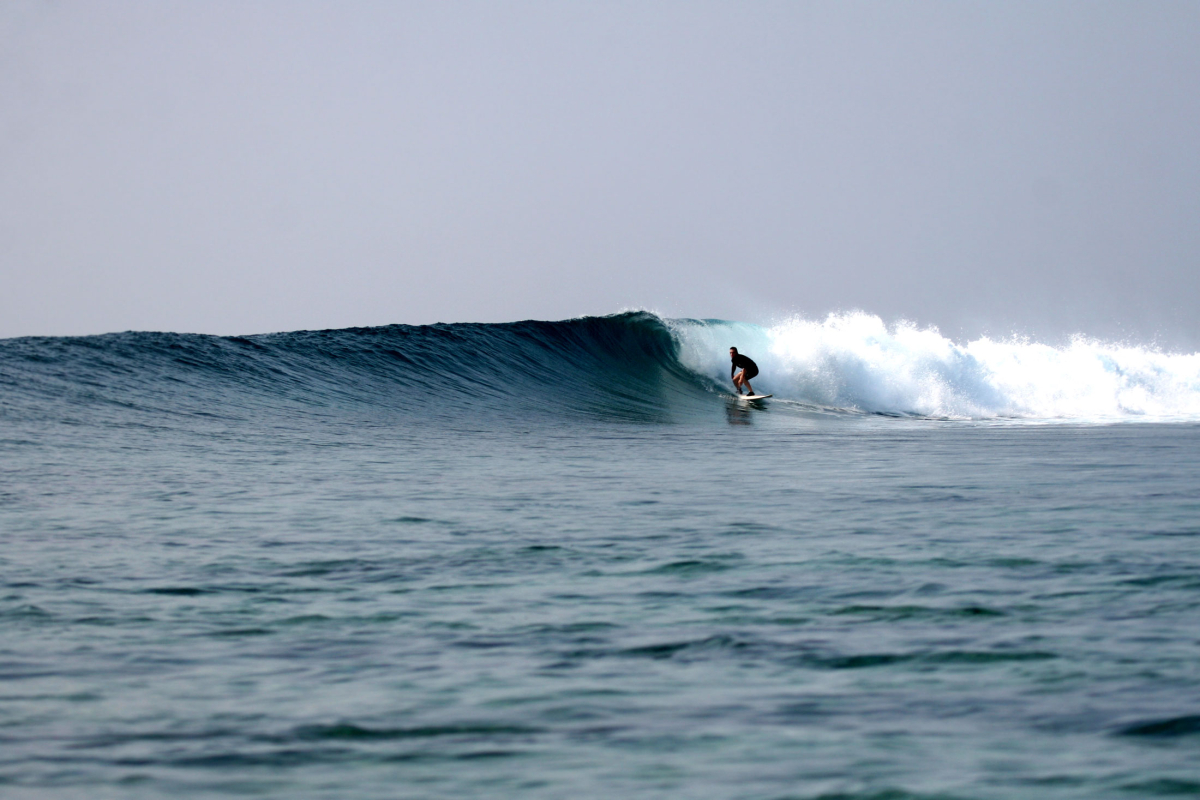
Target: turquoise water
column 275, row 566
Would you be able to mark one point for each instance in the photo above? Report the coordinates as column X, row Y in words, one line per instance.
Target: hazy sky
column 247, row 167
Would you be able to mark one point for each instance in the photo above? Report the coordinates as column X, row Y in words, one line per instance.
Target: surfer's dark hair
column 734, row 349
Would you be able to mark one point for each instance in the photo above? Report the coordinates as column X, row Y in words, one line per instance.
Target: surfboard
column 754, row 396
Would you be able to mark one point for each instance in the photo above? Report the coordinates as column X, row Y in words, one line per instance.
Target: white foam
column 855, row 361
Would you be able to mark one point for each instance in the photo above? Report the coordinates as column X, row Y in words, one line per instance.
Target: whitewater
column 856, row 361
column 544, row 559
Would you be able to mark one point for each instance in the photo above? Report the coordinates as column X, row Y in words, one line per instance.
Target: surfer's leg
column 737, row 381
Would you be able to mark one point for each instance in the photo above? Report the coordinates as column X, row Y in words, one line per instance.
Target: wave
column 629, row 366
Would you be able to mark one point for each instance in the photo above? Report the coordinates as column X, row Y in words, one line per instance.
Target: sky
column 1016, row 168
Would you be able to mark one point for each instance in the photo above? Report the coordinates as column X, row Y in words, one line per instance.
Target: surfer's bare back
column 748, row 370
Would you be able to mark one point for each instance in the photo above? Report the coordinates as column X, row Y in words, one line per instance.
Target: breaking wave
column 630, row 366
column 855, row 361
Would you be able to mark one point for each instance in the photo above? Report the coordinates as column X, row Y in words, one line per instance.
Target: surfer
column 748, row 367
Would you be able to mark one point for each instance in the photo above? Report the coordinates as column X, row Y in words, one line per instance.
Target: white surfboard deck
column 754, row 396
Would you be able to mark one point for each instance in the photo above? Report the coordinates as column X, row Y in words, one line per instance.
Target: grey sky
column 245, row 167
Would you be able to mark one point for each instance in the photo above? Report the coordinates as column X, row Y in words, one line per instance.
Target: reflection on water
column 739, row 412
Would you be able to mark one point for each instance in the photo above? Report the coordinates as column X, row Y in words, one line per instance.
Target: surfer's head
column 732, row 352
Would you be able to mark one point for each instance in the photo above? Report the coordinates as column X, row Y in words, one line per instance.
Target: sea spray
column 855, row 361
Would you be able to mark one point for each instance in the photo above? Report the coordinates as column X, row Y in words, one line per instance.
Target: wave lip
column 854, row 361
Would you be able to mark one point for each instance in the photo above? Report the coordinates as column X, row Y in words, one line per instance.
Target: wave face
column 854, row 361
column 631, row 366
column 622, row 366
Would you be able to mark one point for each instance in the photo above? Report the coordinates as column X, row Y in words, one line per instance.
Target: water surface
column 275, row 566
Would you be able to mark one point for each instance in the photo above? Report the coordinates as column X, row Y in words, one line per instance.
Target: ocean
column 559, row 559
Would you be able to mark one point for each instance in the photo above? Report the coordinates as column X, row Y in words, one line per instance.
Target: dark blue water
column 279, row 566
